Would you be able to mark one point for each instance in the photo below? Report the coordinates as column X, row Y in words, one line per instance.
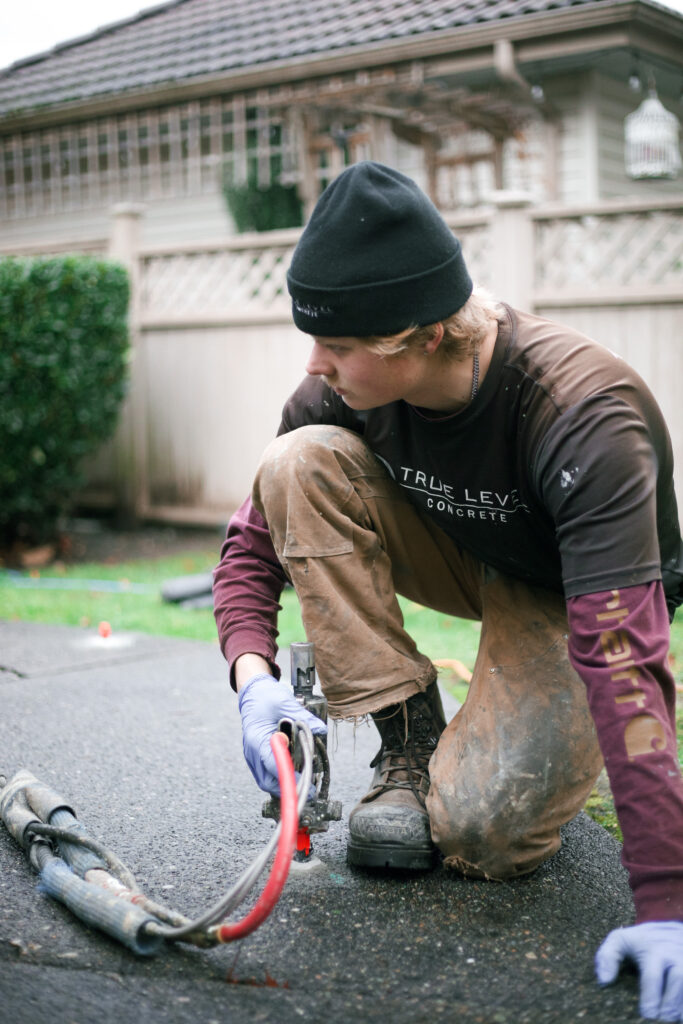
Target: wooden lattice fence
column 215, row 354
column 241, row 279
column 631, row 253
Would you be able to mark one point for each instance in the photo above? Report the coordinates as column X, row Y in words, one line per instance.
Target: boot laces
column 409, row 735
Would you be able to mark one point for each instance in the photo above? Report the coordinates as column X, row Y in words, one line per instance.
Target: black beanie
column 375, row 257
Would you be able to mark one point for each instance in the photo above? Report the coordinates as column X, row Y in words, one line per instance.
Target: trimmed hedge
column 63, row 361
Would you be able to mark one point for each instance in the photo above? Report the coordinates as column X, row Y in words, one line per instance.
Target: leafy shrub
column 63, row 356
column 257, row 208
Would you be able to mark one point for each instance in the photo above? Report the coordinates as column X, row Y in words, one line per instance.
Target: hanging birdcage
column 652, row 149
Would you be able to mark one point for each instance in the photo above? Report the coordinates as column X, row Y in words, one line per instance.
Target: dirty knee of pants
column 494, row 843
column 499, row 796
column 496, row 808
column 520, row 757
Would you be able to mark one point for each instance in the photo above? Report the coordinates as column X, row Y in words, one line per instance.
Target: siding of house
column 591, row 109
column 574, row 100
column 528, row 161
column 614, row 101
column 203, row 216
column 184, row 219
column 577, row 158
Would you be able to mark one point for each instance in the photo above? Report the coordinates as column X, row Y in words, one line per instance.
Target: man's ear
column 432, row 344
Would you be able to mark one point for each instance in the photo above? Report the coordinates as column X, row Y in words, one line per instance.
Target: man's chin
column 357, row 404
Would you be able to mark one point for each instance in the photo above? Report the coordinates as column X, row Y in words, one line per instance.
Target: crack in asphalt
column 82, row 666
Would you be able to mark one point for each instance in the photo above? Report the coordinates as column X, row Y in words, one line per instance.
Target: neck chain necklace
column 427, row 415
column 475, row 374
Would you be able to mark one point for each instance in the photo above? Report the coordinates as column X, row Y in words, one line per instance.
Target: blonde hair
column 464, row 330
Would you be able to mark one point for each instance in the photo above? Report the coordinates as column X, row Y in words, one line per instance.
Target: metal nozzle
column 302, row 669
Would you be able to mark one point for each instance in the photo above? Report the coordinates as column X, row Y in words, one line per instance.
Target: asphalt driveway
column 142, row 736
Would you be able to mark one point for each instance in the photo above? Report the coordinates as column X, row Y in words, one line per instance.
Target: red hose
column 285, row 849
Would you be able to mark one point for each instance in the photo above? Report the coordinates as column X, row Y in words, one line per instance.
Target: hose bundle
column 101, row 891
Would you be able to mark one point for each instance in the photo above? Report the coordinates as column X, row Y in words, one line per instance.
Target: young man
column 491, row 465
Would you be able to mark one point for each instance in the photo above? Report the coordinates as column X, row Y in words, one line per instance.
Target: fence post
column 130, row 483
column 512, row 249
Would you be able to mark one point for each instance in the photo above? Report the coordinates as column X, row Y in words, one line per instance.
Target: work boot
column 390, row 826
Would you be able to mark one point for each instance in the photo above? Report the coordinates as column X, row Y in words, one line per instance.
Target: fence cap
column 128, row 209
column 510, row 199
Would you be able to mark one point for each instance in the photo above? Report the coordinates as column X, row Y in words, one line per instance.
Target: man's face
column 364, row 379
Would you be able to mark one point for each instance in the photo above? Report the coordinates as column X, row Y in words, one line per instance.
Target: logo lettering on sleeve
column 643, row 734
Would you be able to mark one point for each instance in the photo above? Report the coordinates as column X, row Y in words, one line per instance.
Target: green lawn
column 127, row 595
column 26, row 596
column 133, row 602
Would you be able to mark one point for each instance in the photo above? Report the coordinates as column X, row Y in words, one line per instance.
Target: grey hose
column 250, row 875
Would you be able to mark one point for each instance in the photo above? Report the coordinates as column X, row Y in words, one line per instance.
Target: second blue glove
column 657, row 949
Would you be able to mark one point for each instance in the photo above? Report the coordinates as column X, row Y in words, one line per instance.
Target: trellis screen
column 166, row 152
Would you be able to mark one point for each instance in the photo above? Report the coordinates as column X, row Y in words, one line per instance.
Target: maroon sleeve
column 619, row 643
column 247, row 584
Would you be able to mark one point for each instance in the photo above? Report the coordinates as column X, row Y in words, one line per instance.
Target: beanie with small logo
column 375, row 257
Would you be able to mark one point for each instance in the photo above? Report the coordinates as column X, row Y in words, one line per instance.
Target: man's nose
column 319, row 363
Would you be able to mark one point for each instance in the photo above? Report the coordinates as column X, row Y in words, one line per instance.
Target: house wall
column 183, row 219
column 614, row 102
column 52, row 191
column 529, row 164
column 590, row 116
column 572, row 101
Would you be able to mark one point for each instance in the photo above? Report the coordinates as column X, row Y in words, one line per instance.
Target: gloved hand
column 263, row 701
column 656, row 947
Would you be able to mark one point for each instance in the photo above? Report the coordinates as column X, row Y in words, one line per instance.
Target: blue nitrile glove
column 263, row 701
column 656, row 947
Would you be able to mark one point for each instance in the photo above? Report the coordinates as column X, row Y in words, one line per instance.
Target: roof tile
column 187, row 38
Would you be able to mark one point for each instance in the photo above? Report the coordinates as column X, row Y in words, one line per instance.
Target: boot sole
column 399, row 857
